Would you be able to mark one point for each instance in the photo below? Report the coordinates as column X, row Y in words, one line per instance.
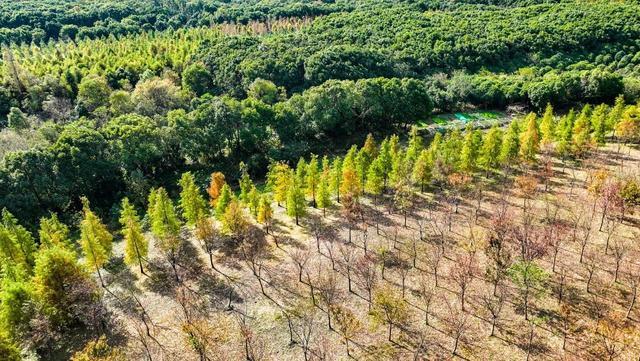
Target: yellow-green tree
column 265, row 212
column 17, row 244
column 95, row 239
column 165, row 226
column 336, row 177
column 313, row 179
column 296, row 203
column 278, row 181
column 422, row 169
column 234, row 221
column 223, row 201
column 136, row 245
column 529, row 139
column 53, row 232
column 510, row 144
column 547, row 126
column 192, row 203
column 389, row 308
column 324, row 194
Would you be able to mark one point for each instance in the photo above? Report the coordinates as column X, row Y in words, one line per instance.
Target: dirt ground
column 244, row 318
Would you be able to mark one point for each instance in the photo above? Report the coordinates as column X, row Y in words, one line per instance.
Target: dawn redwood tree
column 312, row 180
column 279, row 180
column 422, row 169
column 530, row 279
column 16, row 243
column 234, row 221
column 389, row 308
column 209, row 238
column 165, row 226
column 463, row 273
column 296, row 204
column 223, row 201
column 347, row 324
column 265, row 213
column 215, row 187
column 192, row 203
column 510, row 145
column 53, row 232
column 95, row 239
column 136, row 244
column 489, row 153
column 547, row 127
column 365, row 271
column 335, row 182
column 493, row 303
column 324, row 192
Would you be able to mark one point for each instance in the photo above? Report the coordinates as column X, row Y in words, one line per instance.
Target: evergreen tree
column 233, row 220
column 278, row 181
column 223, row 201
column 253, row 200
column 422, row 169
column 469, row 151
column 296, row 206
column 362, row 166
column 400, row 169
column 301, row 172
column 53, row 232
column 9, row 251
column 95, row 239
column 370, row 147
column 510, row 144
column 350, row 182
column 192, row 203
column 375, row 178
column 415, row 146
column 336, row 177
column 245, row 183
column 547, row 126
column 490, row 150
column 136, row 245
column 165, row 226
column 599, row 124
column 313, row 179
column 62, row 287
column 265, row 212
column 581, row 134
column 386, row 162
column 529, row 139
column 615, row 115
column 324, row 193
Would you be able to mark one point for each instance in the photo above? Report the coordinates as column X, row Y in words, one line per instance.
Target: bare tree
column 300, row 257
column 426, row 296
column 457, row 326
column 634, row 281
column 620, row 249
column 329, row 293
column 366, row 275
column 493, row 303
column 434, row 259
column 348, row 256
column 590, row 267
column 463, row 272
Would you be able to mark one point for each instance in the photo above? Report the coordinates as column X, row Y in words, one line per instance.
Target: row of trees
column 39, row 273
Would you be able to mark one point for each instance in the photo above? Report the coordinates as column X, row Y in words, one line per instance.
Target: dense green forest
column 117, row 115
